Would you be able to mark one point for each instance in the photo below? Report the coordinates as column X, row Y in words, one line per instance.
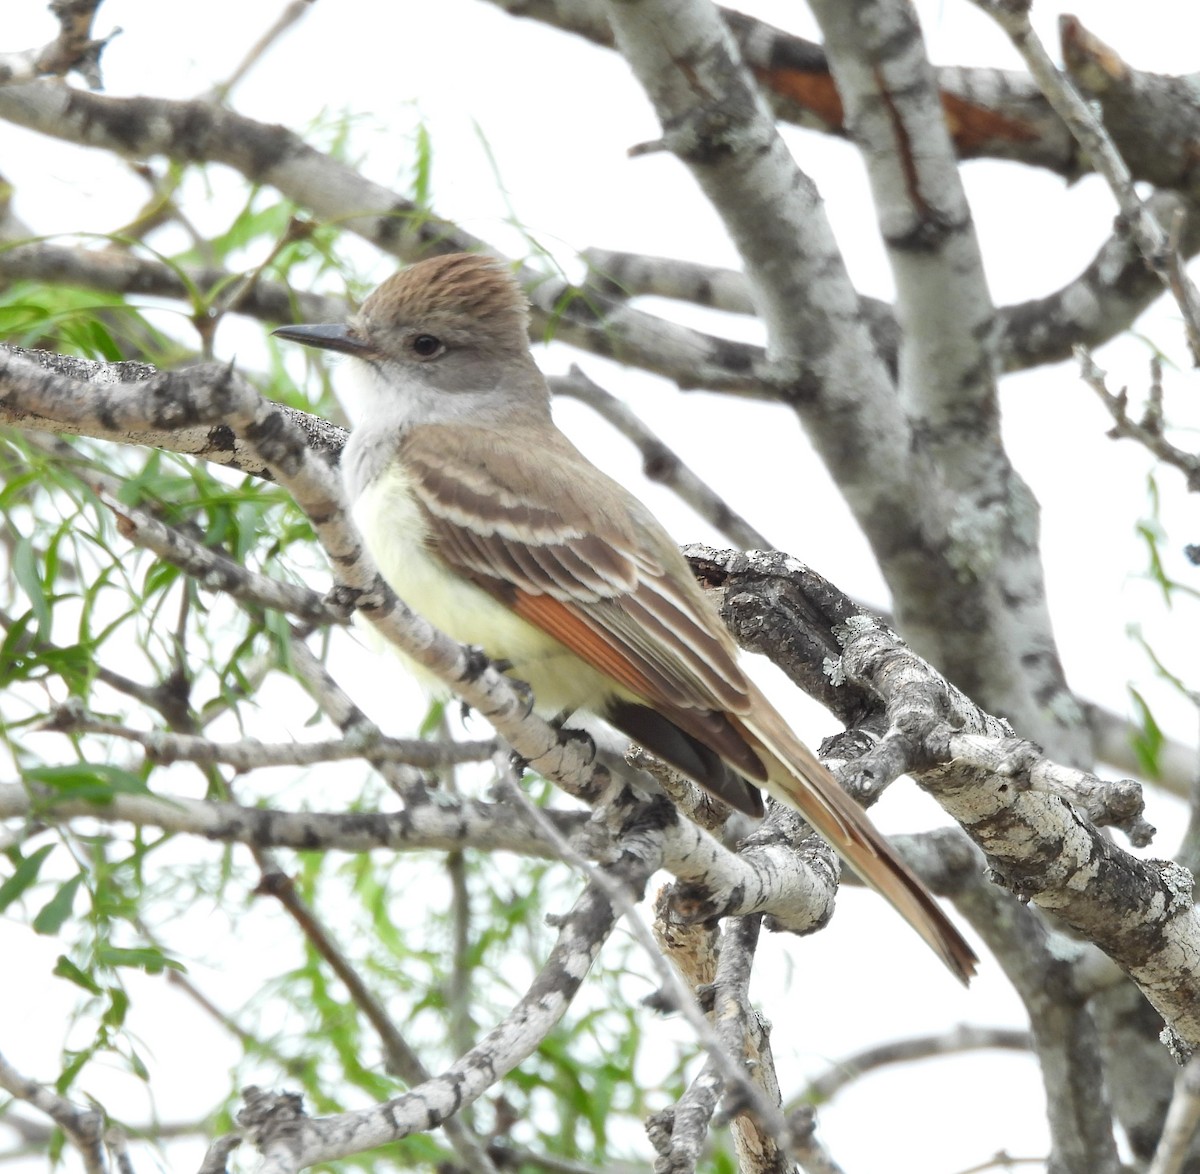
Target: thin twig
column 290, row 15
column 1152, row 240
column 149, row 695
column 359, row 742
column 659, row 462
column 459, row 987
column 1183, row 1119
column 963, row 1038
column 216, row 571
column 1148, row 431
column 408, row 782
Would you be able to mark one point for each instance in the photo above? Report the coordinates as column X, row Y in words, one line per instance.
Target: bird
column 487, row 520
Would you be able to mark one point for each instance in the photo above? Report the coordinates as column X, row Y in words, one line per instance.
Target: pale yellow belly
column 394, row 531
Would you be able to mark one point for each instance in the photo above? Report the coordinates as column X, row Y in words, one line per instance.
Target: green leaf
column 92, row 339
column 16, row 656
column 73, row 663
column 139, row 1068
column 146, row 958
column 16, row 319
column 97, row 782
column 1151, row 535
column 67, row 1077
column 431, row 723
column 67, row 969
column 250, row 225
column 52, row 915
column 62, row 318
column 25, row 875
column 25, row 569
column 118, row 1007
column 423, row 173
column 1148, row 739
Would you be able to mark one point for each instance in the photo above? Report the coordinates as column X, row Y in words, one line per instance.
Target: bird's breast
column 397, row 534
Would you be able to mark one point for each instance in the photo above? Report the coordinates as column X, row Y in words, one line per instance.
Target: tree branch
column 724, row 1052
column 85, row 1127
column 1138, row 911
column 1156, row 247
column 992, row 113
column 1183, row 1120
column 289, row 1141
column 50, row 379
column 659, row 462
column 1102, row 302
column 73, row 50
column 1149, row 430
column 402, row 1060
column 963, row 1038
column 118, row 270
column 443, row 826
column 215, row 571
column 195, row 132
column 164, row 748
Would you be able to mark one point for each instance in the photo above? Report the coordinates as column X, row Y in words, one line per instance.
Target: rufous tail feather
column 797, row 777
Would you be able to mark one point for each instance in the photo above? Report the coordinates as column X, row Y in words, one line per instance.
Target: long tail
column 797, row 778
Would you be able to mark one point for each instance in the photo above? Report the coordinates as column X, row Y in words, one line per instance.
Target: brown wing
column 573, row 554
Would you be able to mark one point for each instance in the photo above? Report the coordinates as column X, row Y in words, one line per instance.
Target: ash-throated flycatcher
column 485, row 518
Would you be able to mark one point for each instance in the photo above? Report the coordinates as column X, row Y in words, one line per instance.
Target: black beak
column 327, row 338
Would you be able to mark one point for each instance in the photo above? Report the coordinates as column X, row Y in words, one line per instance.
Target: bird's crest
column 445, row 294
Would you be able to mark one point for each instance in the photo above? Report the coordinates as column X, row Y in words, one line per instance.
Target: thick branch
column 1183, row 1121
column 1050, row 974
column 61, row 410
column 1102, row 302
column 943, row 308
column 938, row 558
column 1137, row 911
column 1153, row 119
column 991, row 113
column 1099, row 304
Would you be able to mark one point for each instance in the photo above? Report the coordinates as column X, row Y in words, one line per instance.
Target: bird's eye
column 426, row 345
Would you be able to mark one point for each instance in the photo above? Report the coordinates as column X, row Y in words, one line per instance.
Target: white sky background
column 558, row 116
